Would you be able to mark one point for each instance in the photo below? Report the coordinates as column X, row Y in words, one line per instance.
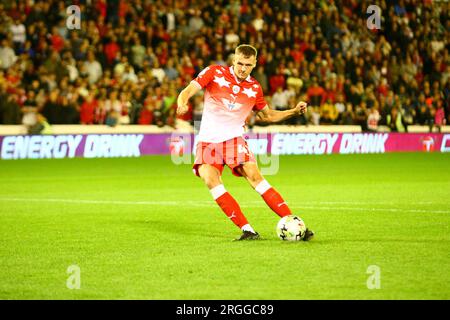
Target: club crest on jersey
column 236, row 89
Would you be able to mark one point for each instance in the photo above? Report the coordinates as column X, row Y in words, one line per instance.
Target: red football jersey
column 227, row 103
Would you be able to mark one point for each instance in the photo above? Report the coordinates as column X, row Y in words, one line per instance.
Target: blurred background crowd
column 130, row 59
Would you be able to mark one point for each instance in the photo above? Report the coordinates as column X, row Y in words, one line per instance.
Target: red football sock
column 229, row 206
column 276, row 202
column 232, row 209
column 273, row 199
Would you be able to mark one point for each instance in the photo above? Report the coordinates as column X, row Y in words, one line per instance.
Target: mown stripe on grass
column 356, row 206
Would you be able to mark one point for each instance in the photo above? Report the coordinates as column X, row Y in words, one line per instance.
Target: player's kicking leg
column 211, row 175
column 271, row 197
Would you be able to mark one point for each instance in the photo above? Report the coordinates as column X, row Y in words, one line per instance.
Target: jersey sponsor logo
column 231, row 105
column 236, row 89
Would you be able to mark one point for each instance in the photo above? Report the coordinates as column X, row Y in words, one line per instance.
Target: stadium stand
column 129, row 59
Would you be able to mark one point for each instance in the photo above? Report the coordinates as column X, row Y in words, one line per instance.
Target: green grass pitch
column 144, row 228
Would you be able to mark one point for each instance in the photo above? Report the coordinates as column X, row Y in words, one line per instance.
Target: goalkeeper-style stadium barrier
column 135, row 141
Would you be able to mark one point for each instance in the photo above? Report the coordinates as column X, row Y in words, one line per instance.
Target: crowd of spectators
column 129, row 60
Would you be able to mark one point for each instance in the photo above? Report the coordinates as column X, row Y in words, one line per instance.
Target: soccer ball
column 291, row 228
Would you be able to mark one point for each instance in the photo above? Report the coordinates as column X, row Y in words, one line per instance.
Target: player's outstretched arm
column 184, row 96
column 268, row 115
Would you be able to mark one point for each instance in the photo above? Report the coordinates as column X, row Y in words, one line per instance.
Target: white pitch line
column 205, row 204
column 375, row 209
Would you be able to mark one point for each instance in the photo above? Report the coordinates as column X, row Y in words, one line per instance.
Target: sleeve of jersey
column 204, row 77
column 260, row 101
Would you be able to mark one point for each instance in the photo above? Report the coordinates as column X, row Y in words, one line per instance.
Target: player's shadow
column 189, row 229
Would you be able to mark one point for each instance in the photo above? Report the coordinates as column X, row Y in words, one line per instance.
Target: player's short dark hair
column 246, row 50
